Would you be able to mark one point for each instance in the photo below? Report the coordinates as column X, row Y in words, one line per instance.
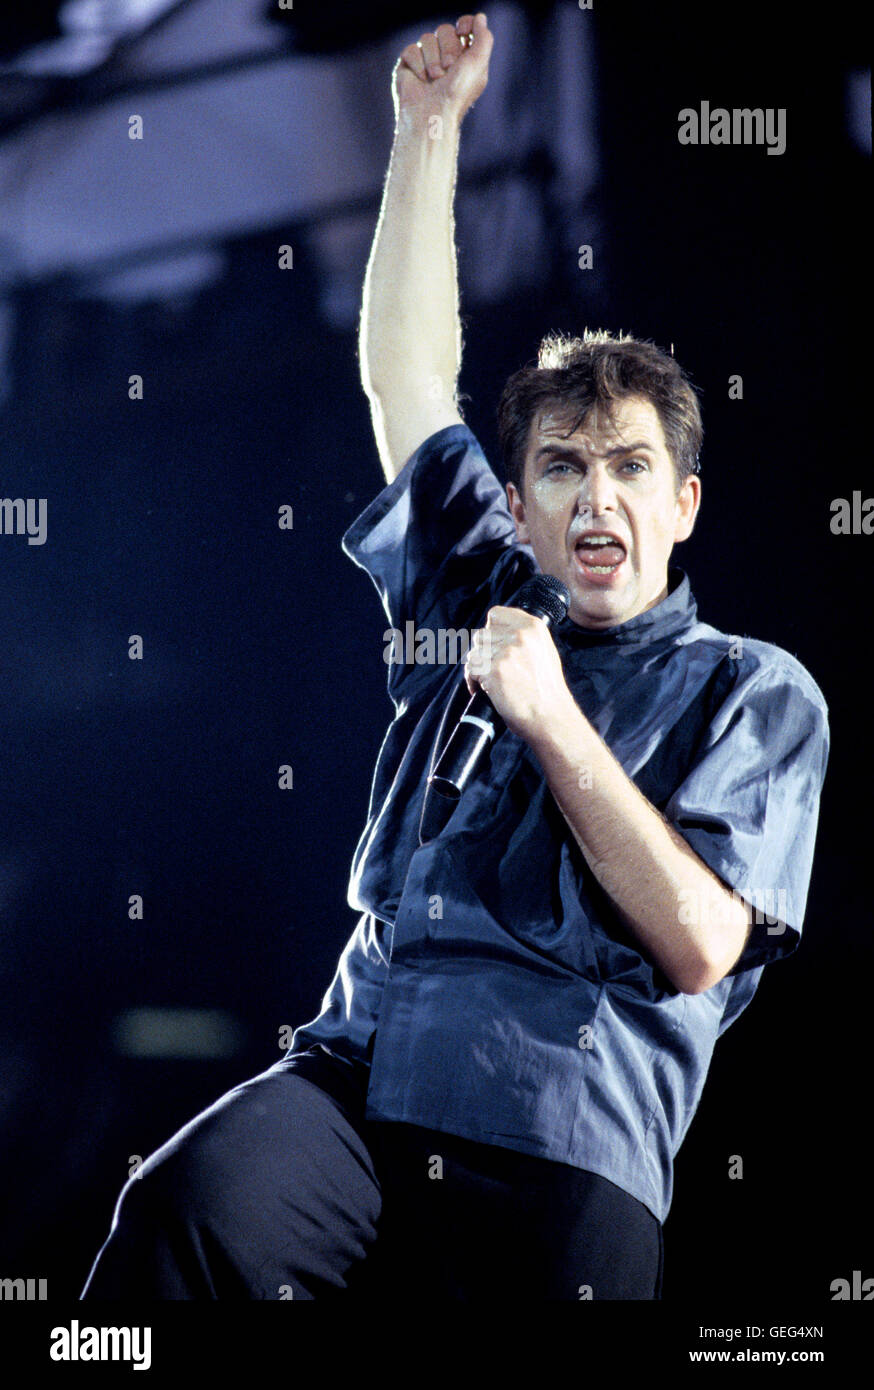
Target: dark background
column 264, row 647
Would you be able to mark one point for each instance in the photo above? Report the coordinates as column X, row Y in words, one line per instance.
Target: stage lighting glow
column 177, row 1033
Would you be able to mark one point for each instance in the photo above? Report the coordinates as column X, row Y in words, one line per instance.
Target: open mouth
column 600, row 555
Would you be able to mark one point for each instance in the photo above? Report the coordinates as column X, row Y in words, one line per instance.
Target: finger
column 469, row 664
column 449, row 44
column 412, row 57
column 468, row 26
column 431, row 54
column 479, row 659
column 479, row 32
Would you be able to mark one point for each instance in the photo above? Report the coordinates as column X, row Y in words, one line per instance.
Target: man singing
column 520, row 1026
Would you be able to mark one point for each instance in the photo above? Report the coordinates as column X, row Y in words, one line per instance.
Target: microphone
column 545, row 597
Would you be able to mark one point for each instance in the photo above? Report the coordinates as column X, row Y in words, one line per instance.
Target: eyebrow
column 547, row 449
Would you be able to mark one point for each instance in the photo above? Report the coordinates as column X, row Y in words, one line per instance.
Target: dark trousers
column 282, row 1190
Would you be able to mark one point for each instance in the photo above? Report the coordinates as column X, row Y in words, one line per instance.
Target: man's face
column 612, row 477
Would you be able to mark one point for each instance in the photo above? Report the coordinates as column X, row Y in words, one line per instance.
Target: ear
column 517, row 510
column 688, row 502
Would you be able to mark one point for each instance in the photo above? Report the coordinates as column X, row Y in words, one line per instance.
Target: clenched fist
column 445, row 72
column 515, row 661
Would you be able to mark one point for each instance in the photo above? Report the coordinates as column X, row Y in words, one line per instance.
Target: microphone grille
column 545, row 596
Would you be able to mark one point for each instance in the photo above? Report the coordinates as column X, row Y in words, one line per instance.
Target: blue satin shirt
column 489, row 985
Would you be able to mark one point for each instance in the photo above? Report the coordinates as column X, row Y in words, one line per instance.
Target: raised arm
column 410, row 333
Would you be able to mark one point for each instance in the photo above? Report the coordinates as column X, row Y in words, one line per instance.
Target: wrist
column 426, row 122
column 561, row 734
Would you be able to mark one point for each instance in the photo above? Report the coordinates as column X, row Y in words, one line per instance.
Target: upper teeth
column 597, row 540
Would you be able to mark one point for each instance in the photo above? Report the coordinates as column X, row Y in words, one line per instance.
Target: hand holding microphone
column 524, row 674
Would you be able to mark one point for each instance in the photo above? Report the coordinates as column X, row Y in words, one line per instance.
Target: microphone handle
column 477, row 727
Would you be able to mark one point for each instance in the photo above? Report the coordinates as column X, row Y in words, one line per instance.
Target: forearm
column 643, row 864
column 410, row 334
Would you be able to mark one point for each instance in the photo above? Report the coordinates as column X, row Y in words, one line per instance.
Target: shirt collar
column 676, row 613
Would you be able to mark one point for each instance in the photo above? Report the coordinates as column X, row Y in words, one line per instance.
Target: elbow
column 699, row 976
column 700, row 984
column 704, row 971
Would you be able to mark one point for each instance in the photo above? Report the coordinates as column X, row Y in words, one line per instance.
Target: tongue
column 601, row 554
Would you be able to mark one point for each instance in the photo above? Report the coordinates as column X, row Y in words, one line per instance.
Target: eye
column 553, row 466
column 635, row 463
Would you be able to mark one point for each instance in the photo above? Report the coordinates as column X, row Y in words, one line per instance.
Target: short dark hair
column 593, row 372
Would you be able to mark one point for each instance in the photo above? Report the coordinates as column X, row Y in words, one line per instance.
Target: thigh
column 475, row 1222
column 604, row 1243
column 270, row 1193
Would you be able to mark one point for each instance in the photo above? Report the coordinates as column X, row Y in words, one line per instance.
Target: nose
column 597, row 491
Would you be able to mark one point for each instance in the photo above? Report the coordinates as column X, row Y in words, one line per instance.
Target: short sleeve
column 431, row 539
column 750, row 805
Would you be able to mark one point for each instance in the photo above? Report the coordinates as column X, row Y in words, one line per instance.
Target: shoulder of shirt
column 455, row 444
column 459, row 427
column 448, row 436
column 758, row 663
